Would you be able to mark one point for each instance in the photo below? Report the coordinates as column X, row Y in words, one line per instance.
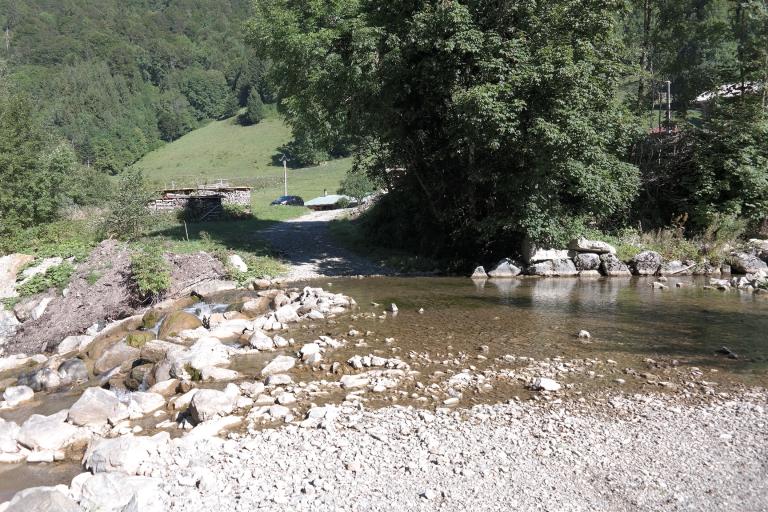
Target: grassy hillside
column 242, row 154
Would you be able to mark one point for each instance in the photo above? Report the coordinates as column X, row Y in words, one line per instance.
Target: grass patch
column 65, row 238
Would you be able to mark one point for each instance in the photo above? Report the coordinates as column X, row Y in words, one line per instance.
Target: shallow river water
column 459, row 323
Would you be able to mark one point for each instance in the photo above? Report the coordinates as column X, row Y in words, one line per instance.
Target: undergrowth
column 57, row 277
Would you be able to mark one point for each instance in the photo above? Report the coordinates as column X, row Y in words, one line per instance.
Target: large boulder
column 646, row 263
column 534, row 254
column 9, row 269
column 675, row 268
column 126, row 454
column 256, row 307
column 138, row 339
column 745, row 263
column 42, row 499
column 554, row 268
column 612, row 266
column 479, row 273
column 587, row 261
column 97, row 407
column 505, row 268
column 210, row 403
column 119, row 354
column 581, row 244
column 49, row 433
column 287, row 314
column 176, row 322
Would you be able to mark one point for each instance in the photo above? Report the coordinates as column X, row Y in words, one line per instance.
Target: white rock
column 280, row 379
column 18, row 394
column 210, row 403
column 74, row 344
column 115, row 491
column 261, row 341
column 9, row 433
column 544, row 384
column 238, row 263
column 287, row 314
column 280, row 364
column 213, row 427
column 354, row 381
column 147, row 402
column 584, row 334
column 96, row 407
column 581, row 244
column 218, row 374
column 126, row 454
column 41, row 499
column 51, row 433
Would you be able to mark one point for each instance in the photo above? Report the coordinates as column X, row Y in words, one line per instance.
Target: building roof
column 328, row 200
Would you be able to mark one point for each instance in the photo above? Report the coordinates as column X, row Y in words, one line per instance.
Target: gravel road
column 646, row 453
column 307, row 247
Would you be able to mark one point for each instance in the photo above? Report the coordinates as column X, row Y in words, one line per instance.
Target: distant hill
column 243, row 154
column 118, row 77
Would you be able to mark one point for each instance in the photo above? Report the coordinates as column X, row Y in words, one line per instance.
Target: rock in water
column 581, row 244
column 743, row 263
column 125, row 454
column 115, row 356
column 97, row 407
column 287, row 314
column 544, row 384
column 280, row 364
column 587, row 261
column 177, row 322
column 646, row 263
column 18, row 394
column 48, row 433
column 210, row 403
column 505, row 268
column 585, row 335
column 393, row 308
column 479, row 273
column 73, row 370
column 612, row 266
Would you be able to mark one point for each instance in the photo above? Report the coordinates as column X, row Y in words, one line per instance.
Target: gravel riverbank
column 628, row 453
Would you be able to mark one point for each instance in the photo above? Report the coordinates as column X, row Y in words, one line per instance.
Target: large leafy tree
column 488, row 121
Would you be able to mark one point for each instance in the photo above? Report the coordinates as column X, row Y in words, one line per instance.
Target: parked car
column 288, row 201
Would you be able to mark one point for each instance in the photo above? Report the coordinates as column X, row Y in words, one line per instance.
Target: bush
column 254, row 111
column 55, row 277
column 357, row 184
column 151, row 273
column 129, row 216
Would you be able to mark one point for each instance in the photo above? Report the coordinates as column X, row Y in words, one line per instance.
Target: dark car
column 288, row 201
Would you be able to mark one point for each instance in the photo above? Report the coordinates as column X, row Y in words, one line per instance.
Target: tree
column 357, row 185
column 488, row 121
column 129, row 216
column 254, row 112
column 32, row 167
column 207, row 92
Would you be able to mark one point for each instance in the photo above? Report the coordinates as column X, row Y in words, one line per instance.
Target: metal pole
column 669, row 106
column 285, row 175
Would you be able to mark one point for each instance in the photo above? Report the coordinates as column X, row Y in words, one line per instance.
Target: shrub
column 357, row 184
column 55, row 277
column 129, row 216
column 151, row 273
column 254, row 109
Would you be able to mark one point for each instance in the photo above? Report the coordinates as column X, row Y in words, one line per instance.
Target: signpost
column 284, row 159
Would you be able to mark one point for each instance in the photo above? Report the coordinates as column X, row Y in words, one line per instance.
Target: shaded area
column 307, row 245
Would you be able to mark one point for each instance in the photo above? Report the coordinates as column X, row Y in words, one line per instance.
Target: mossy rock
column 235, row 306
column 151, row 318
column 138, row 339
column 177, row 322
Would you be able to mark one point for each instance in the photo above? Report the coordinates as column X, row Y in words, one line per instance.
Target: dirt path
column 307, row 247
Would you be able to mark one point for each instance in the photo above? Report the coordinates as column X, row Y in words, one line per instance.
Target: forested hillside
column 117, row 77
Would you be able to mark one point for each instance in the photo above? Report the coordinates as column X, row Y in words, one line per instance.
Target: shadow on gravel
column 310, row 246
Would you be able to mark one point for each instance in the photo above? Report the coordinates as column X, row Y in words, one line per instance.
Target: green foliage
column 207, row 93
column 487, row 123
column 138, row 339
column 151, row 273
column 129, row 217
column 259, row 267
column 254, row 109
column 107, row 76
column 194, row 374
column 33, row 169
column 55, row 277
column 357, row 185
column 65, row 238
